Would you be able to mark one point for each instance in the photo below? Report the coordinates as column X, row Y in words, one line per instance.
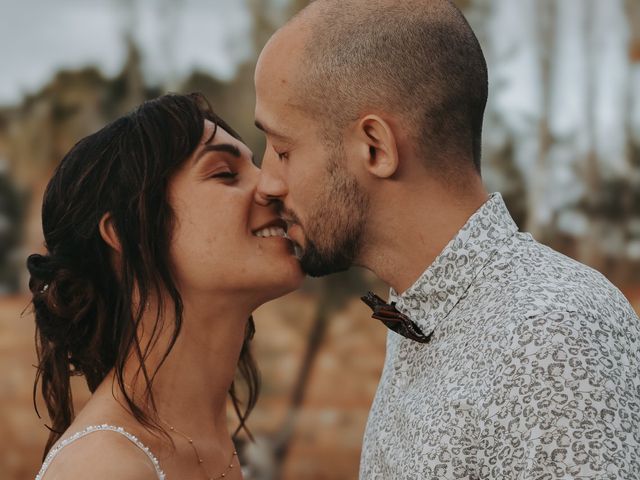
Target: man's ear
column 108, row 232
column 381, row 156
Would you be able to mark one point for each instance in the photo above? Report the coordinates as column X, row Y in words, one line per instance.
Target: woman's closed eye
column 227, row 174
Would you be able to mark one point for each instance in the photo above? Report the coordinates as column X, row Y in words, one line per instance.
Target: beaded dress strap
column 97, row 428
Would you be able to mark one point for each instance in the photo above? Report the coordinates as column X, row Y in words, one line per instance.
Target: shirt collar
column 432, row 297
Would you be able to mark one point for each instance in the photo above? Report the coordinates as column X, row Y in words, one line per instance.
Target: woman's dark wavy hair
column 85, row 320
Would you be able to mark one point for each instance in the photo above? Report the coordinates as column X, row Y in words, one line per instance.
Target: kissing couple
column 505, row 359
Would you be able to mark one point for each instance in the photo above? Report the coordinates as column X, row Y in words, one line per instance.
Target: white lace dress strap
column 97, row 428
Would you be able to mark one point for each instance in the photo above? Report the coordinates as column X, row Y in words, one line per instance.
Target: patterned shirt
column 532, row 370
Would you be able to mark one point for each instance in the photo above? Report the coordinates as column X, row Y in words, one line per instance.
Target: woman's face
column 223, row 241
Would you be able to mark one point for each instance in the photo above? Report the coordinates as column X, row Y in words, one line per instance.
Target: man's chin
column 316, row 265
column 321, row 270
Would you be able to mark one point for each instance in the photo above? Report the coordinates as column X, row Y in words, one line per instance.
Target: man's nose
column 271, row 186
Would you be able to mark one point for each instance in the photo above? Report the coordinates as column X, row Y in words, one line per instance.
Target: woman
column 156, row 256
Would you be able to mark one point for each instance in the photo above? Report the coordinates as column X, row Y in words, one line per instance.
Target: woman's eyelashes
column 227, row 175
column 220, row 169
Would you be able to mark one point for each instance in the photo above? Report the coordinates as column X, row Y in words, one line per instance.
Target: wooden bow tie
column 393, row 319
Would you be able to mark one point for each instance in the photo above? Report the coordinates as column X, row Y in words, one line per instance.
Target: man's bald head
column 416, row 59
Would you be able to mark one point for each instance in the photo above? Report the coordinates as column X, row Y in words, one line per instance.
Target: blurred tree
column 562, row 123
column 11, row 219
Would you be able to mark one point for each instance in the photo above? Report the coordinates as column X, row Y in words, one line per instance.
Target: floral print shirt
column 532, row 370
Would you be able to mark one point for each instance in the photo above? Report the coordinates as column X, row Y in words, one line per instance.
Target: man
column 514, row 360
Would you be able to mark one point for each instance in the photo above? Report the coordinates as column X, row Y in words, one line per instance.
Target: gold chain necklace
column 200, row 461
column 195, row 450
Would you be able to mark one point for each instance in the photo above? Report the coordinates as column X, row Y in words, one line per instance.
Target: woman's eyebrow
column 218, row 147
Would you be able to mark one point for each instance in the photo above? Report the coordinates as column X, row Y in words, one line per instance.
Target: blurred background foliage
column 561, row 142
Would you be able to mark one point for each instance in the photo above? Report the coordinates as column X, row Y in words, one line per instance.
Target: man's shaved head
column 367, row 105
column 416, row 59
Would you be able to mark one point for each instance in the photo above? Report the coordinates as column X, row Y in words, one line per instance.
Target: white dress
column 98, row 428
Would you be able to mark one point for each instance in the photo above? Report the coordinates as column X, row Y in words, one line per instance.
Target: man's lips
column 295, row 233
column 289, row 220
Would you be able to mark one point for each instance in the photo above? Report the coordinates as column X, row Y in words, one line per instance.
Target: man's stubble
column 334, row 228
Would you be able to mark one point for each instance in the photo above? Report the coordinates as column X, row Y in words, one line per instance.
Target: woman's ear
column 382, row 151
column 108, row 232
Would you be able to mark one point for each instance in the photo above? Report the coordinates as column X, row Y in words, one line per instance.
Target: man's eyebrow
column 270, row 131
column 219, row 147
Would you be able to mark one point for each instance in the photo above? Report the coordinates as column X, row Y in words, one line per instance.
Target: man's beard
column 334, row 229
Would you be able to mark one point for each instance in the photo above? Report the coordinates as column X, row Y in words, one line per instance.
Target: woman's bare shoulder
column 103, row 455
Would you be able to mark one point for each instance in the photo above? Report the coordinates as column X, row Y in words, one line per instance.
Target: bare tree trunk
column 517, row 91
column 610, row 72
column 568, row 118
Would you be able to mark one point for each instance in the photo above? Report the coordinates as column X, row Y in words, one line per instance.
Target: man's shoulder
column 531, row 279
column 533, row 295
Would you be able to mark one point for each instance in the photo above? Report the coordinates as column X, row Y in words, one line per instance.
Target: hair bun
column 61, row 298
column 42, row 270
column 40, row 266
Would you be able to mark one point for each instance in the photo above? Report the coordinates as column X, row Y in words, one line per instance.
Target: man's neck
column 410, row 229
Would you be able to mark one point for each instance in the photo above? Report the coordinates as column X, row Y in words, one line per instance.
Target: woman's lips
column 274, row 228
column 271, row 232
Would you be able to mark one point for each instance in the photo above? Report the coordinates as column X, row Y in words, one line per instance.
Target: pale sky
column 40, row 37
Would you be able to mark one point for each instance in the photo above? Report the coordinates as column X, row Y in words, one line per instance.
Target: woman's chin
column 291, row 282
column 282, row 283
